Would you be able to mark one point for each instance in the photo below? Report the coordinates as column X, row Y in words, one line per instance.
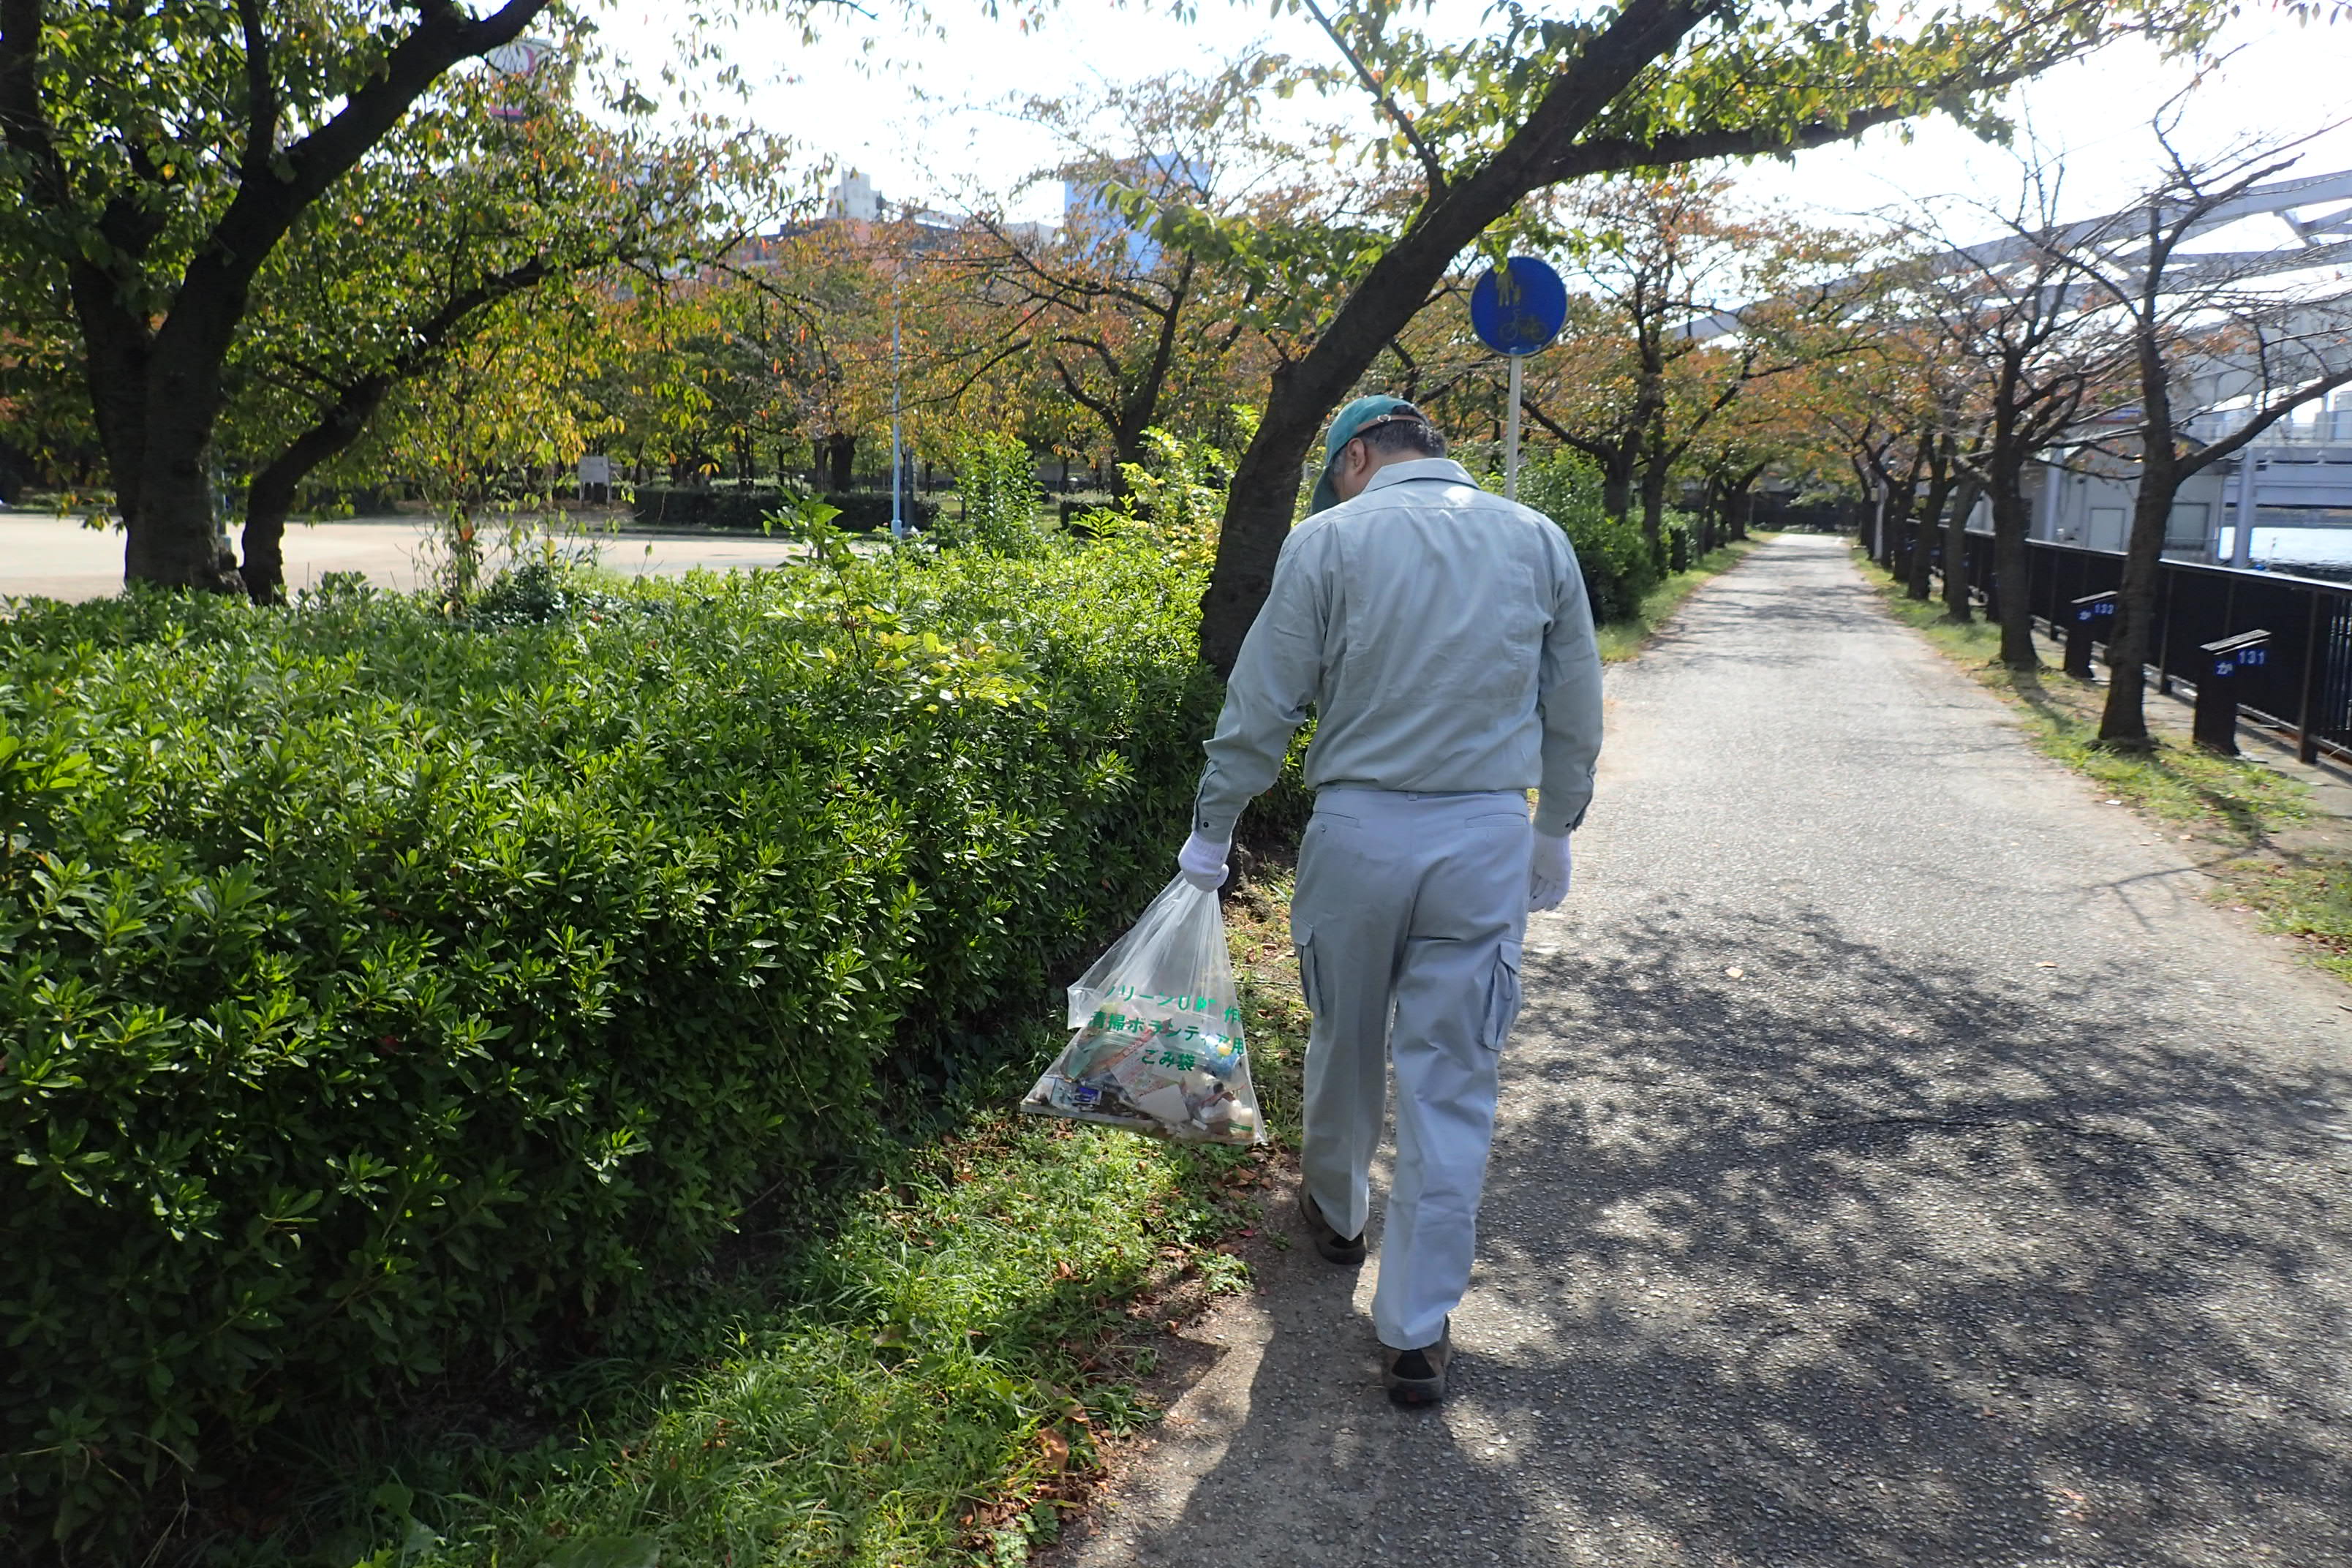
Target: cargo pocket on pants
column 1502, row 997
column 1302, row 943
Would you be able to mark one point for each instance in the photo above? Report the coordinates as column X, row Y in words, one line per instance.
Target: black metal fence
column 2304, row 682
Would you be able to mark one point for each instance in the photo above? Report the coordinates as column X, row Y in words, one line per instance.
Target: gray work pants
column 1408, row 918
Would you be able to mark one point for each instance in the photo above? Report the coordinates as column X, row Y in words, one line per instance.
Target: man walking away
column 1441, row 635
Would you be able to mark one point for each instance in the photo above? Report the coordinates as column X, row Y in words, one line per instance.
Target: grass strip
column 1620, row 640
column 2274, row 854
column 926, row 1384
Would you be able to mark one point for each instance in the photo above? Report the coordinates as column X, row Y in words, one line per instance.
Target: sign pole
column 1511, row 438
column 898, row 521
column 1517, row 310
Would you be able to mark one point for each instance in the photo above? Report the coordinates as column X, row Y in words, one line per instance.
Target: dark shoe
column 1418, row 1377
column 1335, row 1247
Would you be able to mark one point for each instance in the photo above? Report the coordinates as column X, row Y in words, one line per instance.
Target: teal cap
column 1346, row 427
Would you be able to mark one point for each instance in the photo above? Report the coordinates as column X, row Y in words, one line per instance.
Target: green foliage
column 996, row 481
column 385, row 995
column 1177, row 498
column 534, row 591
column 1620, row 568
column 1182, row 490
column 409, row 270
column 846, row 1407
column 1766, row 79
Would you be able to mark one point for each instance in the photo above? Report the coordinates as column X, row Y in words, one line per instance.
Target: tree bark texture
column 1654, row 504
column 2013, row 564
column 269, row 500
column 1899, row 493
column 1617, row 483
column 2123, row 723
column 839, row 454
column 1919, row 580
column 1957, row 587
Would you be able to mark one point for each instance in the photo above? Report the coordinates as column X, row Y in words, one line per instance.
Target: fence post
column 2088, row 612
column 2306, row 745
column 2215, row 725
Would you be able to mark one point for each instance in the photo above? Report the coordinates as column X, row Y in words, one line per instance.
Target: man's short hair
column 1405, row 429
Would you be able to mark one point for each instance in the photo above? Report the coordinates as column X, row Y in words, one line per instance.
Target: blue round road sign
column 1519, row 307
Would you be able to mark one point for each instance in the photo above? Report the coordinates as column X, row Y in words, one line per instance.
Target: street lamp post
column 897, row 463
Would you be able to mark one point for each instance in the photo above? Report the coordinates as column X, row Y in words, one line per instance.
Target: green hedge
column 386, row 996
column 1620, row 567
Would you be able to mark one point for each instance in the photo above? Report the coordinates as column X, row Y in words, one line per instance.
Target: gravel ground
column 57, row 558
column 1901, row 1162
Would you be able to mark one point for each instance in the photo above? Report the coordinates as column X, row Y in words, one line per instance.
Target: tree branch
column 23, row 121
column 264, row 208
column 260, row 95
column 1431, row 167
column 1694, row 146
column 2205, row 457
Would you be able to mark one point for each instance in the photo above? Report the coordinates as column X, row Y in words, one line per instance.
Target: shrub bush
column 1620, row 567
column 386, row 996
column 739, row 510
column 1176, row 497
column 996, row 499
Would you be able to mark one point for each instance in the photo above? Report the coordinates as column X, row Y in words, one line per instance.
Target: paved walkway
column 1900, row 1164
column 57, row 558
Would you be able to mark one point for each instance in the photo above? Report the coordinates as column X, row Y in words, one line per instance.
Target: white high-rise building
column 852, row 196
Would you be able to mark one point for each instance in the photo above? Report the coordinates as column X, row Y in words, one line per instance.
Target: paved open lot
column 57, row 558
column 1902, row 1163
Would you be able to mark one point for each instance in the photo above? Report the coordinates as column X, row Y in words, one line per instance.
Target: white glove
column 1202, row 862
column 1548, row 877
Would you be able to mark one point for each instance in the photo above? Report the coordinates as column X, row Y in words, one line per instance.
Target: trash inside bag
column 1159, row 1043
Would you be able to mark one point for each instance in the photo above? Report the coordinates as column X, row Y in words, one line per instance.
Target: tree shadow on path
column 1845, row 1261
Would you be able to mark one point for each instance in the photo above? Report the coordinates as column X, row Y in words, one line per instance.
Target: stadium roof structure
column 2320, row 238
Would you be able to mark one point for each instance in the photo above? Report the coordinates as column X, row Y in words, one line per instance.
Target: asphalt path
column 58, row 558
column 1902, row 1163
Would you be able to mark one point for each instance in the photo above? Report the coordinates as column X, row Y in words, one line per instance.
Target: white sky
column 926, row 116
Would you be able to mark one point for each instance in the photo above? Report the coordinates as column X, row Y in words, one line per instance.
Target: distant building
column 854, row 202
column 2287, row 495
column 1087, row 212
column 854, row 198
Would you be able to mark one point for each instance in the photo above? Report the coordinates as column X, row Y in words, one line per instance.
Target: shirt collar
column 1445, row 468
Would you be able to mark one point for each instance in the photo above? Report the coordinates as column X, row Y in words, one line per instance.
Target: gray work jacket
column 1442, row 636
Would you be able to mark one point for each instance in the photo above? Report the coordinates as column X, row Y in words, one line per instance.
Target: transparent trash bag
column 1159, row 1043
